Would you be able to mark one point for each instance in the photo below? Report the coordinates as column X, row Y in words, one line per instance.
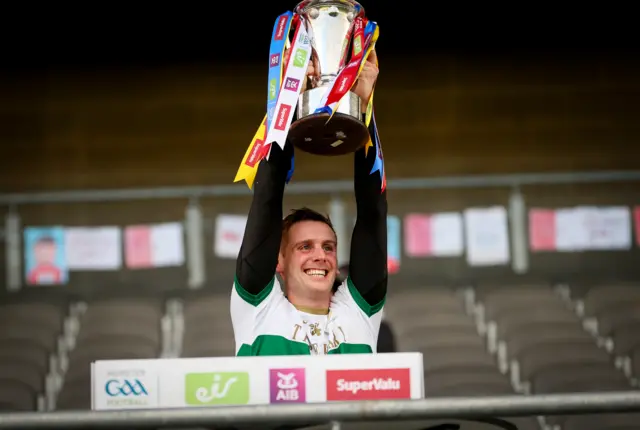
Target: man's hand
column 363, row 87
column 367, row 79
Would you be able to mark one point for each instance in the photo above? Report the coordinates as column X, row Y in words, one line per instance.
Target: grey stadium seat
column 29, row 333
column 505, row 299
column 25, row 375
column 16, row 396
column 513, row 319
column 626, row 339
column 25, row 351
column 537, row 358
column 588, row 377
column 110, row 329
column 613, row 319
column 207, row 327
column 422, row 302
column 456, row 361
column 525, row 339
column 601, row 298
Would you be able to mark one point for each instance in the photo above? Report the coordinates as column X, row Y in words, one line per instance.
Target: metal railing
column 471, row 181
column 443, row 408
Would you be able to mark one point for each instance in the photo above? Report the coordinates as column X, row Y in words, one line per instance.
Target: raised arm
column 368, row 260
column 258, row 257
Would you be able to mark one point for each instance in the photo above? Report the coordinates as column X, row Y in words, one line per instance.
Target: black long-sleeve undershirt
column 258, row 257
column 368, row 257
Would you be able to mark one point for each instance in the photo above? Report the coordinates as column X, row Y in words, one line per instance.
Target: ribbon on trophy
column 365, row 35
column 370, row 119
column 284, row 87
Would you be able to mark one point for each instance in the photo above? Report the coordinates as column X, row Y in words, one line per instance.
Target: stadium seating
column 540, row 338
column 485, row 340
column 203, row 326
column 32, row 332
column 457, row 361
column 111, row 329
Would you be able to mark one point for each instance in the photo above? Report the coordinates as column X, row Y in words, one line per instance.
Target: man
column 307, row 315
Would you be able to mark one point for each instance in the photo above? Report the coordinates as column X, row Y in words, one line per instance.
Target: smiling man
column 310, row 313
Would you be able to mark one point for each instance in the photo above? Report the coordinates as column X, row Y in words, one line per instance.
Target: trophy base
column 342, row 135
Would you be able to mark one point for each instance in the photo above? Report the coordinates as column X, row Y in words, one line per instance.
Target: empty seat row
column 545, row 346
column 110, row 330
column 457, row 361
column 527, row 337
column 30, row 333
column 612, row 312
column 205, row 327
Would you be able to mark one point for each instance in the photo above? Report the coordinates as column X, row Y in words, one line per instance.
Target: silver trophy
column 329, row 22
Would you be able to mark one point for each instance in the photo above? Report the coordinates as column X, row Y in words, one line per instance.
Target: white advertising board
column 227, row 381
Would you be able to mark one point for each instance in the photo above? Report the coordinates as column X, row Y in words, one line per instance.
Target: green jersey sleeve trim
column 253, row 299
column 365, row 307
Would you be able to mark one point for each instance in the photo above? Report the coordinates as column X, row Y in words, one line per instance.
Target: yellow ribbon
column 248, row 171
column 251, row 160
column 369, row 112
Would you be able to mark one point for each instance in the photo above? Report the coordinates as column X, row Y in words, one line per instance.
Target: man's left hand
column 367, row 79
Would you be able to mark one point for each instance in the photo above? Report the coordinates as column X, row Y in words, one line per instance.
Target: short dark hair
column 304, row 214
column 46, row 240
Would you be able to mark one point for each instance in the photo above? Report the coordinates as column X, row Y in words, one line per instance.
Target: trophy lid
column 304, row 6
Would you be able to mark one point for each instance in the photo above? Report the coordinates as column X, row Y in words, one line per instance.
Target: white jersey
column 268, row 324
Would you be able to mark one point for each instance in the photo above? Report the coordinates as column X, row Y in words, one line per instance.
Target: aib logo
column 125, row 388
column 274, row 60
column 291, row 84
column 287, row 385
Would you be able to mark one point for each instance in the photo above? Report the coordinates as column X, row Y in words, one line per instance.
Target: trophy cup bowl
column 329, row 21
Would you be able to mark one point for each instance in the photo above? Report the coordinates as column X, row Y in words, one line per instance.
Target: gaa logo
column 125, row 388
column 304, row 39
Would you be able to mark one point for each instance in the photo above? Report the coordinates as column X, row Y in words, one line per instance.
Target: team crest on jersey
column 315, row 329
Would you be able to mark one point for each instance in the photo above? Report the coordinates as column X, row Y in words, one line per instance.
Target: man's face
column 45, row 253
column 308, row 258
